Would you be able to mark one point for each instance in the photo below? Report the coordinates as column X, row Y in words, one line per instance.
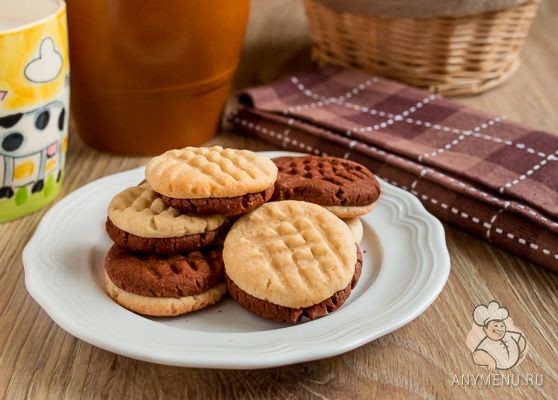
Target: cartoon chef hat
column 493, row 312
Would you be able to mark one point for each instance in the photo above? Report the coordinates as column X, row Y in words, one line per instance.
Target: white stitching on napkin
column 322, row 100
column 550, row 157
column 476, row 220
column 366, row 110
column 271, row 133
column 287, row 131
column 392, row 119
column 423, row 172
column 461, row 137
column 494, row 217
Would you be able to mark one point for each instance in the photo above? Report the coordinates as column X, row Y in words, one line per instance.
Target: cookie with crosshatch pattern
column 212, row 180
column 139, row 221
column 164, row 286
column 290, row 259
column 344, row 187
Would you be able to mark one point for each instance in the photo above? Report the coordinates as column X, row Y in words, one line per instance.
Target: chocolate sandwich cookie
column 140, row 221
column 212, row 180
column 279, row 313
column 344, row 187
column 159, row 285
column 290, row 259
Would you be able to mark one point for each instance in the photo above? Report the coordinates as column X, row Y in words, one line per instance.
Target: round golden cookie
column 350, row 211
column 209, row 172
column 140, row 211
column 163, row 306
column 290, row 253
column 355, row 225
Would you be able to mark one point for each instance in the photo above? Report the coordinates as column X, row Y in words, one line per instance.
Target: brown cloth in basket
column 491, row 177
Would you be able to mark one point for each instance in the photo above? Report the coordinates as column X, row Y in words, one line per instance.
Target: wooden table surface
column 39, row 360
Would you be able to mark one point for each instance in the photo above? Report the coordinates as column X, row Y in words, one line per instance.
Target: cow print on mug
column 34, row 114
column 31, row 148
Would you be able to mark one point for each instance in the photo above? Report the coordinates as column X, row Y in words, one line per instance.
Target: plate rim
column 435, row 236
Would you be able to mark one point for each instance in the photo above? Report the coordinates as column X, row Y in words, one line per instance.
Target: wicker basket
column 450, row 55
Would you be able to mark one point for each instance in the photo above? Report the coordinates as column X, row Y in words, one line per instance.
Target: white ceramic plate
column 406, row 265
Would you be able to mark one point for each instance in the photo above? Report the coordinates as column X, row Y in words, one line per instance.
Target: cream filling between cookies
column 140, row 211
column 355, row 225
column 163, row 306
column 350, row 211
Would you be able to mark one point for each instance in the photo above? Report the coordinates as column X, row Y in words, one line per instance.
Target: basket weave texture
column 449, row 55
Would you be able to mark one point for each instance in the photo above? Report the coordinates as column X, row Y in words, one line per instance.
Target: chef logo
column 495, row 342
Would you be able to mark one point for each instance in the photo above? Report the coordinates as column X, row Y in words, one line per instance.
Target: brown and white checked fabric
column 491, row 177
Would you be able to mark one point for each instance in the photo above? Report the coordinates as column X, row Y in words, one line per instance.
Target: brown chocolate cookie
column 279, row 313
column 165, row 276
column 173, row 245
column 327, row 181
column 222, row 206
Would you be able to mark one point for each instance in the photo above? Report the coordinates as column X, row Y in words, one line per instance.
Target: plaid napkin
column 488, row 176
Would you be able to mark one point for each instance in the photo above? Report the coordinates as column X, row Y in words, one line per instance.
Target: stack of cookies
column 168, row 231
column 287, row 259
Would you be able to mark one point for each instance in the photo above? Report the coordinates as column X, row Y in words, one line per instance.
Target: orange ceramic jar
column 148, row 76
